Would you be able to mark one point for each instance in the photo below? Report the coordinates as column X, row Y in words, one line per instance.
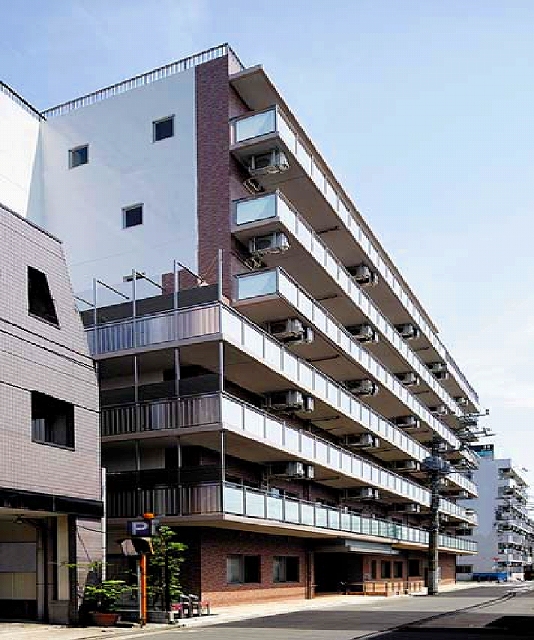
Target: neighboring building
column 50, row 480
column 277, row 416
column 505, row 532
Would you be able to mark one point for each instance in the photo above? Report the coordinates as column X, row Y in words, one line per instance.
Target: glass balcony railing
column 273, row 121
column 274, row 206
column 231, row 499
column 277, row 281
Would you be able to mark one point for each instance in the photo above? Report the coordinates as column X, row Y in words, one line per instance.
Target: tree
column 164, row 568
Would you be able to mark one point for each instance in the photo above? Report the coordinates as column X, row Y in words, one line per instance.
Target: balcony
column 153, row 330
column 334, row 466
column 255, row 294
column 350, row 238
column 325, row 278
column 225, row 503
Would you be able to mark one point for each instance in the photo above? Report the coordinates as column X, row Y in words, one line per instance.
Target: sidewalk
column 221, row 615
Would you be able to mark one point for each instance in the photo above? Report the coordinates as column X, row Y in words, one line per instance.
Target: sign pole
column 142, row 589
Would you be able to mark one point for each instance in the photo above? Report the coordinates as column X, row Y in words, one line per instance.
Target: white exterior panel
column 19, row 161
column 83, row 205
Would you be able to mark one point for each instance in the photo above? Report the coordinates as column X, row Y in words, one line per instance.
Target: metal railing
column 231, row 499
column 168, row 326
column 143, row 79
column 13, row 95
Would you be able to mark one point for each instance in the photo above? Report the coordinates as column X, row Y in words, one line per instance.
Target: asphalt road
column 504, row 619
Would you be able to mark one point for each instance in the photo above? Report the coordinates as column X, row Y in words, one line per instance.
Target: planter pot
column 104, row 619
column 158, row 617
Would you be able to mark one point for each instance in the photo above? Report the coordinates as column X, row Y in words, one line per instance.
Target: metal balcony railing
column 231, row 499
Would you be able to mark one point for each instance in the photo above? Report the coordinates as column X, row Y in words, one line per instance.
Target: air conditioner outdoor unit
column 291, row 400
column 408, row 379
column 290, row 331
column 461, row 401
column 363, row 441
column 363, row 275
column 441, row 447
column 409, row 507
column 437, row 367
column 441, row 375
column 363, row 493
column 275, row 242
column 408, row 331
column 462, row 495
column 407, row 422
column 309, row 471
column 289, row 469
column 439, row 410
column 363, row 332
column 364, row 387
column 407, row 465
column 274, row 161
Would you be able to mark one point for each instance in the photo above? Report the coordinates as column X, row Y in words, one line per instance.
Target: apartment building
column 270, row 385
column 50, row 481
column 505, row 532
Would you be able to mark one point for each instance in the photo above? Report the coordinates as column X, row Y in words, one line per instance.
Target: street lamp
column 437, row 468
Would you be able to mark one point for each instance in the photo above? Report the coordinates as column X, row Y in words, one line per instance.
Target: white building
column 505, row 532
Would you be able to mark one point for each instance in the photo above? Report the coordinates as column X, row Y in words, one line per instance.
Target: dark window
column 52, row 421
column 40, row 302
column 464, row 568
column 132, row 216
column 243, row 569
column 163, row 128
column 78, row 156
column 373, row 570
column 398, row 569
column 386, row 569
column 285, row 569
column 414, row 568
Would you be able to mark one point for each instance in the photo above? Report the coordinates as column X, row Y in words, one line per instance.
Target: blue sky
column 422, row 108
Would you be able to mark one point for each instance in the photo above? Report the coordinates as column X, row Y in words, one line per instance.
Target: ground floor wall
column 44, row 562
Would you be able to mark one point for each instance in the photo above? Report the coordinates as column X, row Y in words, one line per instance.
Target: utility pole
column 437, row 468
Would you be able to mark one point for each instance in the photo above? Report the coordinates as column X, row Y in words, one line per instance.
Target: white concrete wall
column 19, row 162
column 83, row 206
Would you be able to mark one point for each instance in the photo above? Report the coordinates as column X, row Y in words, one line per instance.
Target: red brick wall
column 217, row 544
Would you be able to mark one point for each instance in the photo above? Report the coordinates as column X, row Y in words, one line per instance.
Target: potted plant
column 101, row 601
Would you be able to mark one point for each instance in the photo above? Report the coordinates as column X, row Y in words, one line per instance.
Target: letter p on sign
column 139, row 528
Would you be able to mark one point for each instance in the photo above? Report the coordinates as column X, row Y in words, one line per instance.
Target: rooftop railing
column 143, row 79
column 10, row 93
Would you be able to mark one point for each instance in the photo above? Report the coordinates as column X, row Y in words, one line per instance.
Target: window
column 385, row 569
column 414, row 568
column 285, row 569
column 132, row 216
column 242, row 569
column 78, row 156
column 163, row 128
column 52, row 421
column 464, row 568
column 398, row 569
column 40, row 302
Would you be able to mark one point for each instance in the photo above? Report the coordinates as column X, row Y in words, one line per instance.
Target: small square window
column 163, row 128
column 78, row 156
column 132, row 216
